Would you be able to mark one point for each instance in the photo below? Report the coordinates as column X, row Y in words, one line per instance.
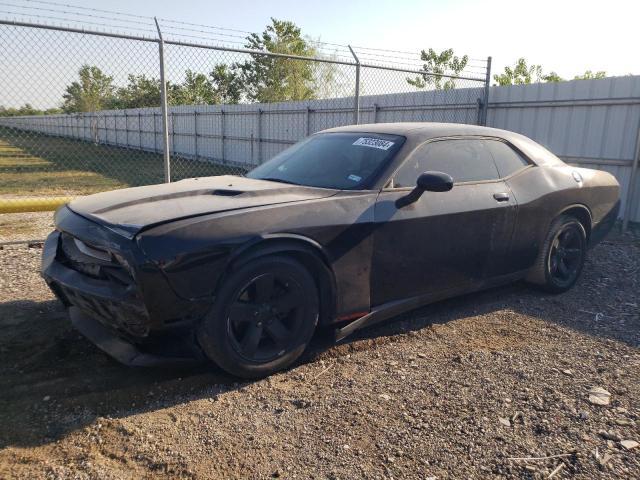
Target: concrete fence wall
column 590, row 123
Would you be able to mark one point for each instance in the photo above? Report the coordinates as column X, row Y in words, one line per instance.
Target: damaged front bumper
column 117, row 347
column 105, row 304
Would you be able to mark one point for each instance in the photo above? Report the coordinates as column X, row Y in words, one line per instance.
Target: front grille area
column 126, row 318
column 102, row 265
column 119, row 306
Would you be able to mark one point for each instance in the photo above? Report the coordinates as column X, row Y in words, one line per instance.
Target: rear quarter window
column 508, row 161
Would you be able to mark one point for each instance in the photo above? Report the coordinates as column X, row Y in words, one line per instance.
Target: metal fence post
column 259, row 136
column 126, row 129
column 155, row 132
column 195, row 133
column 115, row 128
column 485, row 101
column 163, row 102
column 222, row 132
column 173, row 134
column 356, row 101
column 632, row 184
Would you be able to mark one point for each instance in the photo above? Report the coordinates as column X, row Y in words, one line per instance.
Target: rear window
column 344, row 161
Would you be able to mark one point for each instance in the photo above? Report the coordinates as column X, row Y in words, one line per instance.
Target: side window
column 507, row 159
column 465, row 160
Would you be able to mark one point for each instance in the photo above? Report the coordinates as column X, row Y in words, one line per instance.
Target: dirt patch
column 465, row 388
column 33, row 164
column 25, row 226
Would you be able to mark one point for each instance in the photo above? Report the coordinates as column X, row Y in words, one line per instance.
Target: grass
column 33, row 164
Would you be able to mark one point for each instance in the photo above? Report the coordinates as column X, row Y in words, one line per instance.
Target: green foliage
column 26, row 109
column 436, row 65
column 276, row 79
column 259, row 79
column 92, row 92
column 141, row 91
column 226, row 85
column 589, row 75
column 195, row 90
column 520, row 74
column 221, row 86
column 552, row 77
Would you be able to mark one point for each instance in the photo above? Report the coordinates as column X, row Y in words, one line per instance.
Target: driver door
column 444, row 240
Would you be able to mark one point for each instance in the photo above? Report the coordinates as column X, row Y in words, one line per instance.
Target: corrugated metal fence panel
column 591, row 123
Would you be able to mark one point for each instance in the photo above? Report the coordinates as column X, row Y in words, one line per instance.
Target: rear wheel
column 561, row 257
column 262, row 319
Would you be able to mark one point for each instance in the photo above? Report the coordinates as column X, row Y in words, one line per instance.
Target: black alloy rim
column 264, row 320
column 565, row 256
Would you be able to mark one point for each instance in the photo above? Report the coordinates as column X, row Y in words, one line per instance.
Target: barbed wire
column 103, row 25
column 82, row 7
column 209, row 33
column 204, row 26
column 149, row 21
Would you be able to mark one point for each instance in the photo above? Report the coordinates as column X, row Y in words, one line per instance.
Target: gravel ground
column 490, row 385
column 25, row 226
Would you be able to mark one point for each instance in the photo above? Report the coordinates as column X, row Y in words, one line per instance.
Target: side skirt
column 388, row 310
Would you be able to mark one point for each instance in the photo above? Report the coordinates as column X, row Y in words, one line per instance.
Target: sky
column 566, row 36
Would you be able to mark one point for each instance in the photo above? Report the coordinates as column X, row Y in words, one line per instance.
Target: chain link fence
column 82, row 111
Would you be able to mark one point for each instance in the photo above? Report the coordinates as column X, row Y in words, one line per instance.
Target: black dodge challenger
column 351, row 226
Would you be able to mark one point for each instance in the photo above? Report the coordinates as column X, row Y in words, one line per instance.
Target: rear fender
column 582, row 213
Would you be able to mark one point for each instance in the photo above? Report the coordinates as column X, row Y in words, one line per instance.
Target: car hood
column 130, row 210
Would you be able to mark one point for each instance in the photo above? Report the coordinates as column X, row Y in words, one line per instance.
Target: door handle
column 501, row 197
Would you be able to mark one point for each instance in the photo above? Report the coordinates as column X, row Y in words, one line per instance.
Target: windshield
column 345, row 161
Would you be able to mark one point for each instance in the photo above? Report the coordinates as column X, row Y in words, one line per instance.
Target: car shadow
column 53, row 381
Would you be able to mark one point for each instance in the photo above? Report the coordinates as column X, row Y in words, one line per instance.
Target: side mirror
column 434, row 182
column 427, row 182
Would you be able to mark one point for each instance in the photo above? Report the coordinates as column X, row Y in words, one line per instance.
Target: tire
column 561, row 257
column 262, row 319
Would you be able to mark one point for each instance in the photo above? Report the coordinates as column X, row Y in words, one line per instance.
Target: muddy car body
column 229, row 265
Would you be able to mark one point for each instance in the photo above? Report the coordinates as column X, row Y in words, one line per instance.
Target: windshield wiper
column 279, row 180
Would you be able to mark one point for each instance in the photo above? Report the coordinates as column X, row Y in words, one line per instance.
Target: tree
column 436, row 65
column 141, row 91
column 552, row 77
column 276, row 79
column 520, row 74
column 221, row 85
column 195, row 90
column 589, row 75
column 26, row 109
column 329, row 79
column 94, row 91
column 226, row 84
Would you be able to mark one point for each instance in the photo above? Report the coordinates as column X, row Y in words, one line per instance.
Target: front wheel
column 561, row 257
column 262, row 319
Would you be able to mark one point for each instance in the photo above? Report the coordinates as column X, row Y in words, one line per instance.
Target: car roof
column 418, row 132
column 423, row 130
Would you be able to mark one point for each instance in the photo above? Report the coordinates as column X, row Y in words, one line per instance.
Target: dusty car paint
column 177, row 241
